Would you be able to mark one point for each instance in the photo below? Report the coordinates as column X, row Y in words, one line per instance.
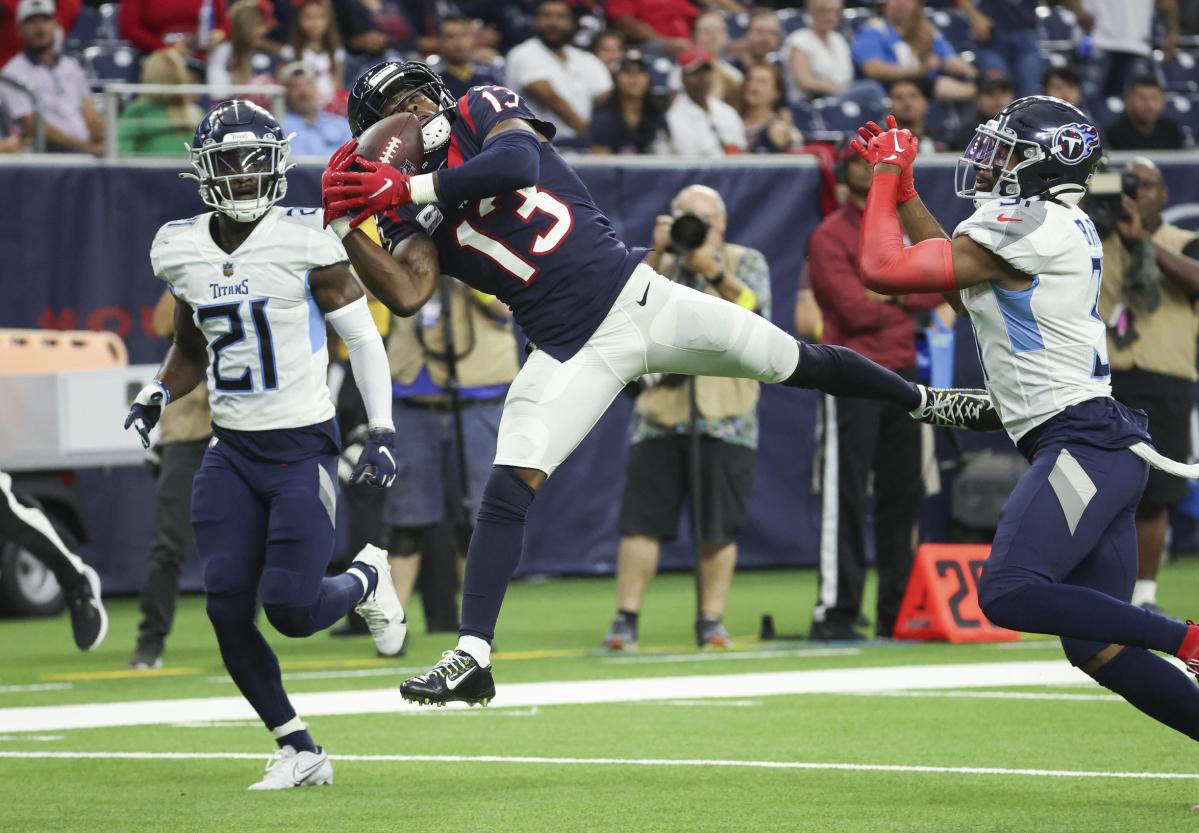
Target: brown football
column 396, row 141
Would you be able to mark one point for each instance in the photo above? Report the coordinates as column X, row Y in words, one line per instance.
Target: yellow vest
column 715, row 397
column 1167, row 336
column 186, row 419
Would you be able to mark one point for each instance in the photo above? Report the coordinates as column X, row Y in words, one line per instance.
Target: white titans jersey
column 267, row 360
column 1044, row 348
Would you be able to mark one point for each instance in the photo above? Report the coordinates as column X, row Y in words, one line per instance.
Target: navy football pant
column 1064, row 561
column 266, row 530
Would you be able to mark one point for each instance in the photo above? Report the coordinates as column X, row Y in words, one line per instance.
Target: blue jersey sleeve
column 485, row 107
column 942, row 47
column 870, row 44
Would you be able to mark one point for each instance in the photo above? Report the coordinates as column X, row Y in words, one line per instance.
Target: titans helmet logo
column 1075, row 142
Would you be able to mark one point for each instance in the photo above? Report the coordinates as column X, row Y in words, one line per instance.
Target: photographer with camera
column 1150, row 284
column 692, row 439
column 862, row 437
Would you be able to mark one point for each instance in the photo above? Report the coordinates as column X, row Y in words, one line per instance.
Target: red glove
column 339, row 162
column 873, row 154
column 377, row 189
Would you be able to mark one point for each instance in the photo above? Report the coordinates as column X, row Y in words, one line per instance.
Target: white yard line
column 348, row 673
column 521, row 695
column 19, row 689
column 995, row 695
column 725, row 657
column 650, row 762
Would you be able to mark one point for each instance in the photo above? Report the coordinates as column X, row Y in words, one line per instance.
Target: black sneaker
column 457, row 677
column 89, row 620
column 969, row 408
column 146, row 658
column 834, row 632
column 622, row 635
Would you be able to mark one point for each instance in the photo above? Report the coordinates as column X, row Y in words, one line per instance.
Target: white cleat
column 381, row 609
column 288, row 768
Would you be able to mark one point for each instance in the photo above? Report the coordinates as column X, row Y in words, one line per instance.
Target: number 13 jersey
column 267, row 359
column 546, row 251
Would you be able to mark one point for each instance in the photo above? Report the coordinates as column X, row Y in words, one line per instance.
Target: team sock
column 366, row 574
column 1144, row 592
column 842, row 372
column 478, row 648
column 299, row 740
column 1081, row 613
column 629, row 616
column 1155, row 687
column 494, row 551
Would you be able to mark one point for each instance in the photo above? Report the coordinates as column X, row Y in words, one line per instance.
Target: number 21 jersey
column 546, row 251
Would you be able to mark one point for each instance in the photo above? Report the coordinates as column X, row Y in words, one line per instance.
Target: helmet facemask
column 242, row 176
column 992, row 150
column 435, row 128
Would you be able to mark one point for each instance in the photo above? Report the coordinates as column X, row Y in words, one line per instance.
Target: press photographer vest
column 716, row 397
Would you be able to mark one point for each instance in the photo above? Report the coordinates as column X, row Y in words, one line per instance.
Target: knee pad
column 289, row 620
column 506, row 498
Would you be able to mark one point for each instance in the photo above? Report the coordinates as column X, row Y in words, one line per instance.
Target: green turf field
column 663, row 755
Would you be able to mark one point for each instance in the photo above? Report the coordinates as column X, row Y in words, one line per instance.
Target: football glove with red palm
column 874, row 153
column 377, row 188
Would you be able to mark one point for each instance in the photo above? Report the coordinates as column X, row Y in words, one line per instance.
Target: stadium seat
column 843, row 117
column 112, row 63
column 107, row 29
column 1184, row 109
column 801, row 114
column 792, row 20
column 1182, row 74
column 1058, row 26
column 852, row 20
column 42, row 351
column 954, row 27
column 85, row 31
column 737, row 24
column 659, row 75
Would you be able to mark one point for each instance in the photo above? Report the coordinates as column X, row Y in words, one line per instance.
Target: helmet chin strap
column 435, row 133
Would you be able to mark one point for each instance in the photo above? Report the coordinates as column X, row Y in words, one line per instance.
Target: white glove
column 146, row 409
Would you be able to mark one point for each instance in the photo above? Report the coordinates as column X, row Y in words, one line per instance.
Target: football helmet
column 240, row 158
column 383, row 90
column 1037, row 147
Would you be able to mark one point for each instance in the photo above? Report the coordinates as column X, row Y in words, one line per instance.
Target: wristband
column 341, row 227
column 166, row 394
column 747, row 299
column 818, row 332
column 423, row 189
column 482, row 297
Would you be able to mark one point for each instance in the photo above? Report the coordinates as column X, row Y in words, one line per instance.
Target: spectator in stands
column 1123, row 38
column 769, row 127
column 152, row 24
column 1064, row 83
column 761, row 42
column 1006, row 34
column 155, row 124
column 609, row 47
column 56, row 82
column 660, row 471
column 1142, row 126
column 864, row 438
column 359, row 27
column 318, row 133
column 455, row 61
column 239, row 60
column 902, row 45
column 818, row 56
column 656, row 24
column 910, row 107
column 699, row 123
column 711, row 34
column 632, row 120
column 1150, row 282
column 66, row 12
column 993, row 95
column 563, row 82
column 316, row 43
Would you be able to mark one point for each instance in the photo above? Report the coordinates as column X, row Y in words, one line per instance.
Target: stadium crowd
column 687, row 77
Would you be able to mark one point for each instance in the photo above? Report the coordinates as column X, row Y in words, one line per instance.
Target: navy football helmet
column 384, row 89
column 1036, row 147
column 240, row 157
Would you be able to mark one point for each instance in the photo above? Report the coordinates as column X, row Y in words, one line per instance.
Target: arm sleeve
column 890, row 267
column 508, row 162
column 132, row 28
column 838, row 288
column 368, row 360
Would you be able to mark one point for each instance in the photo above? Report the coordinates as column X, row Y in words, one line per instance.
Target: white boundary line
column 995, row 695
column 651, row 762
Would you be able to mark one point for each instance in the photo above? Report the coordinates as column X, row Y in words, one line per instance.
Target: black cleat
column 457, row 677
column 968, row 408
column 834, row 632
column 89, row 621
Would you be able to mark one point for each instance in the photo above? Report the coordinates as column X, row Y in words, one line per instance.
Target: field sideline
column 767, row 737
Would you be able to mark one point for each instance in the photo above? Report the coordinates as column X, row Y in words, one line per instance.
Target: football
column 395, row 141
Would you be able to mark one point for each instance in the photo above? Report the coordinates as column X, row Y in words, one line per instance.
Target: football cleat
column 381, row 608
column 968, row 408
column 89, row 620
column 622, row 635
column 1188, row 652
column 288, row 768
column 457, row 677
column 710, row 632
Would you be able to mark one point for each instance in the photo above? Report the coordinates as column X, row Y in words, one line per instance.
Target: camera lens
column 688, row 232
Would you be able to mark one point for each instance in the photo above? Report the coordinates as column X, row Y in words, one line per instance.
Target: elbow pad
column 888, row 266
column 508, row 162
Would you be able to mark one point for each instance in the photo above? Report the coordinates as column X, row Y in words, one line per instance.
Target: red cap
column 694, row 57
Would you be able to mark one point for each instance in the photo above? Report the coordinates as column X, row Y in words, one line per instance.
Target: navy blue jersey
column 546, row 251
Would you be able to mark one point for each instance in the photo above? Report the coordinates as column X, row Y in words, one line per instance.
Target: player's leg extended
column 1144, row 679
column 1055, row 517
column 29, row 527
column 551, row 407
